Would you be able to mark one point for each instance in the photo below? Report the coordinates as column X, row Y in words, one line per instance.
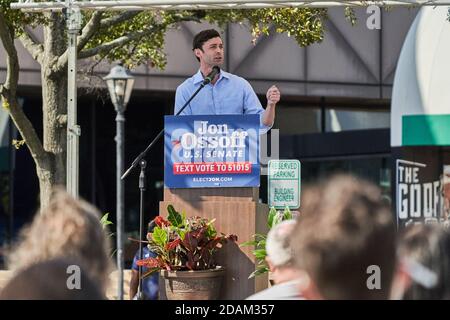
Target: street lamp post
column 120, row 84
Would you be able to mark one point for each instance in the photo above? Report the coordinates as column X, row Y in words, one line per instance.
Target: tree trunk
column 47, row 179
column 51, row 171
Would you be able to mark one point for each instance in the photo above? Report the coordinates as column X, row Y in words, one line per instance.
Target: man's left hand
column 273, row 96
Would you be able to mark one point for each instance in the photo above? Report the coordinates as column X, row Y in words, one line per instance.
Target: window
column 337, row 120
column 297, row 120
column 373, row 168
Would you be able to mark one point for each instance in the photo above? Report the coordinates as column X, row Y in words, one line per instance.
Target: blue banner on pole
column 211, row 151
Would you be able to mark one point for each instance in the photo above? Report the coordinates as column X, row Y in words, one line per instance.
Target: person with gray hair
column 280, row 261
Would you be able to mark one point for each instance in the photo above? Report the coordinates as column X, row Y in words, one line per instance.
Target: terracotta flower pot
column 193, row 285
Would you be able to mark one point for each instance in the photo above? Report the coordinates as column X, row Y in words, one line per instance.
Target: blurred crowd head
column 345, row 227
column 66, row 228
column 49, row 280
column 424, row 251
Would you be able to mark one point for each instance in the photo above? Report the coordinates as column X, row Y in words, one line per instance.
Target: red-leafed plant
column 182, row 243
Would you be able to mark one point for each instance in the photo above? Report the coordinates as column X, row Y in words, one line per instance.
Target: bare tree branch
column 12, row 71
column 35, row 48
column 94, row 24
column 108, row 22
column 86, row 34
column 106, row 47
column 89, row 29
column 8, row 94
column 27, row 131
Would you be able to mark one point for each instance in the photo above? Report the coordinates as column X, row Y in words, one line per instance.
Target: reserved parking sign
column 284, row 178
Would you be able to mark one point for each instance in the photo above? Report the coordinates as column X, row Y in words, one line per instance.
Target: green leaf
column 262, row 262
column 248, row 243
column 287, row 215
column 104, row 220
column 160, row 236
column 174, row 217
column 350, row 15
column 259, row 271
column 271, row 216
column 260, row 253
column 277, row 219
column 259, row 236
column 211, row 231
column 261, row 244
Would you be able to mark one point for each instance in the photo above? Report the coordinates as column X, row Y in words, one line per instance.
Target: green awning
column 426, row 130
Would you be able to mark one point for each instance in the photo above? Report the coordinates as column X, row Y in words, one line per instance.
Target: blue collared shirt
column 230, row 94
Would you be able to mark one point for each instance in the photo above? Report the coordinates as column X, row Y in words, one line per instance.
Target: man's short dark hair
column 203, row 36
column 345, row 227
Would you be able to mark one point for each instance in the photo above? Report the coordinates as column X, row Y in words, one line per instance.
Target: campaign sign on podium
column 211, row 151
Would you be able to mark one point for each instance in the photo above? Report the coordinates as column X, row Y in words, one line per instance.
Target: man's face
column 211, row 53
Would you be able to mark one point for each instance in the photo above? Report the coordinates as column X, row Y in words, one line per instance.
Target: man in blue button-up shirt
column 227, row 93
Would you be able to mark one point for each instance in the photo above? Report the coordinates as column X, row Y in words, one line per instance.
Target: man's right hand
column 273, row 96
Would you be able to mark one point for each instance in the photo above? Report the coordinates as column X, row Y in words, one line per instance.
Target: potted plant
column 185, row 249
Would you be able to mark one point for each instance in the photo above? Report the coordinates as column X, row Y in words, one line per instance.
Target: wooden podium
column 237, row 211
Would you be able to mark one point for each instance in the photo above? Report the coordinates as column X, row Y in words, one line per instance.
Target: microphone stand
column 140, row 160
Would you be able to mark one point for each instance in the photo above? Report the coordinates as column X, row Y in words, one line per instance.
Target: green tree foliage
column 146, row 30
column 137, row 37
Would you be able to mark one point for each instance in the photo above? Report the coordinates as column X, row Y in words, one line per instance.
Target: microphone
column 210, row 77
